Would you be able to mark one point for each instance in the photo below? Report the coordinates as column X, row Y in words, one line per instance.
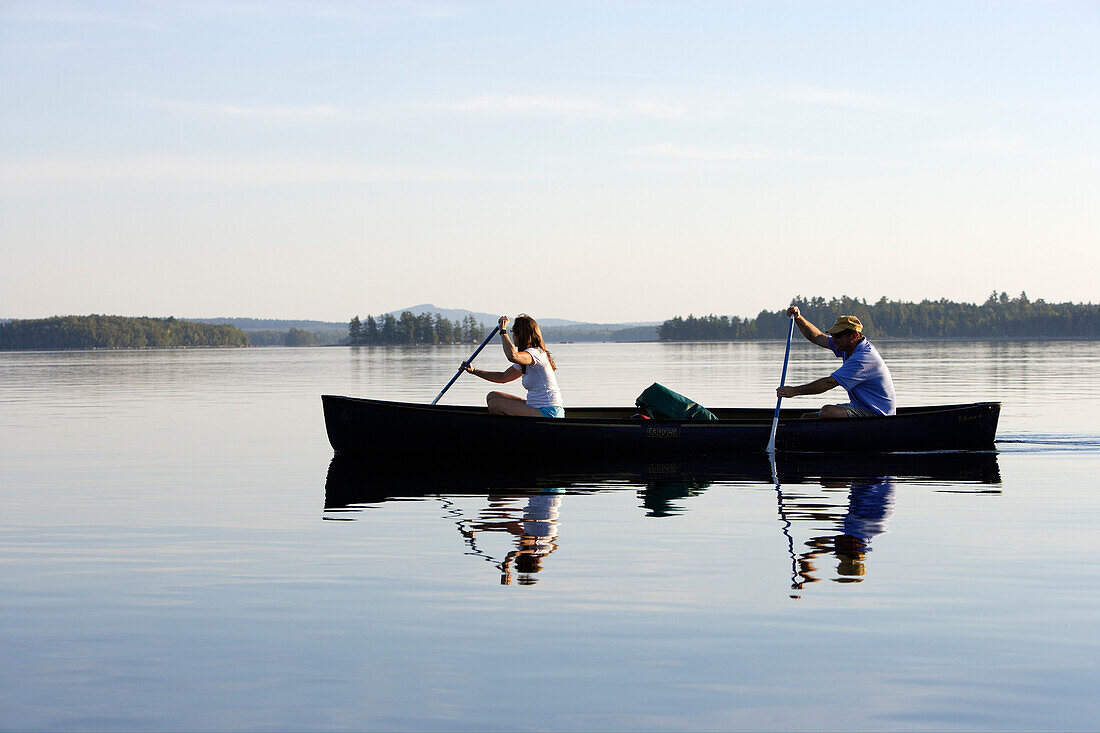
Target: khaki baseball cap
column 846, row 323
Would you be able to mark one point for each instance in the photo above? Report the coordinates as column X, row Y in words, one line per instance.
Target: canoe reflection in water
column 841, row 504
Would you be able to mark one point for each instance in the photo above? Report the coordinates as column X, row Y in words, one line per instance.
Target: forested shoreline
column 999, row 317
column 115, row 332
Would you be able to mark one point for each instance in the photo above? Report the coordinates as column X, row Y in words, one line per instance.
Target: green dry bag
column 661, row 403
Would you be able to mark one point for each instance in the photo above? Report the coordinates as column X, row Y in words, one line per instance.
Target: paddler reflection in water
column 535, row 531
column 531, row 360
column 870, row 506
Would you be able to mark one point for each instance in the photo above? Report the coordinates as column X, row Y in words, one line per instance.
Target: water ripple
column 1047, row 442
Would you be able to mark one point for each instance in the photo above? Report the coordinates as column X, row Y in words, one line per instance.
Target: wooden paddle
column 487, row 340
column 782, row 381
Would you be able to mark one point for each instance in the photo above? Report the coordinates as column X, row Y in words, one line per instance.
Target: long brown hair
column 528, row 334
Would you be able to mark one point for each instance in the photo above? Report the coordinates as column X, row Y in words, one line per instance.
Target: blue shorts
column 552, row 411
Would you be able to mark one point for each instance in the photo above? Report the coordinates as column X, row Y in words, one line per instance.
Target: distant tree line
column 1000, row 316
column 115, row 332
column 292, row 337
column 426, row 328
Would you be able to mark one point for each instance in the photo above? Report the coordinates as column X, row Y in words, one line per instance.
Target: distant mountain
column 485, row 319
column 451, row 314
column 490, row 319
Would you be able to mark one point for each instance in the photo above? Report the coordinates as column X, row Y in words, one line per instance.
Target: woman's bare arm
column 508, row 375
column 511, row 353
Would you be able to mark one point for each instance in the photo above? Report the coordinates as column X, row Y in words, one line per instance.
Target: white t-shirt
column 539, row 380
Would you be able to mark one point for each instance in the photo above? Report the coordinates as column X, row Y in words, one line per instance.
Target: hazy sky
column 598, row 161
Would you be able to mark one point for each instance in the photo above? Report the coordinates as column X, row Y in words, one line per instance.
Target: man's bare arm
column 812, row 333
column 815, row 387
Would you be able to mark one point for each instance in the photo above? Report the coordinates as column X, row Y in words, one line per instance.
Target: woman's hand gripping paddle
column 474, row 356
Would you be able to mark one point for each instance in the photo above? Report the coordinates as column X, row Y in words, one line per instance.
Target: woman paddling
column 530, row 360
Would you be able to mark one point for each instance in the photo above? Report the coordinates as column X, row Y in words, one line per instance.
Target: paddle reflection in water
column 840, row 504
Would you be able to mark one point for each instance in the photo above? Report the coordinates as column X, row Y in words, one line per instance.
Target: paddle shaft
column 782, row 381
column 474, row 356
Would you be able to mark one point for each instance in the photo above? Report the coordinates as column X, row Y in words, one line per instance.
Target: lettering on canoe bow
column 662, row 431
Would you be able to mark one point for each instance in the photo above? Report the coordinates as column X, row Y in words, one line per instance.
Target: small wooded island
column 115, row 332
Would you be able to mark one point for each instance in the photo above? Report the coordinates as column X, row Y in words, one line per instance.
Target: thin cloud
column 310, row 112
column 526, row 105
column 681, row 105
column 163, row 15
column 172, row 18
column 821, row 96
column 342, row 11
column 433, row 10
column 990, row 143
column 275, row 113
column 534, row 105
column 659, row 111
column 699, row 153
column 62, row 15
column 61, row 173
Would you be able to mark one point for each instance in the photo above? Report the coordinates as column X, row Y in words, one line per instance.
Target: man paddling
column 864, row 375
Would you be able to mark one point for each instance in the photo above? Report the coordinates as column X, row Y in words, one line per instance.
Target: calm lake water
column 177, row 553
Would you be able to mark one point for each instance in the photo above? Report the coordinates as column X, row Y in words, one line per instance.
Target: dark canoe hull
column 367, row 427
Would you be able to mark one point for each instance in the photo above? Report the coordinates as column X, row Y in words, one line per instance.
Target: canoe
column 359, row 426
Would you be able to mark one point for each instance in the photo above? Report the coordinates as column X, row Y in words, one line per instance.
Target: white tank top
column 539, row 380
